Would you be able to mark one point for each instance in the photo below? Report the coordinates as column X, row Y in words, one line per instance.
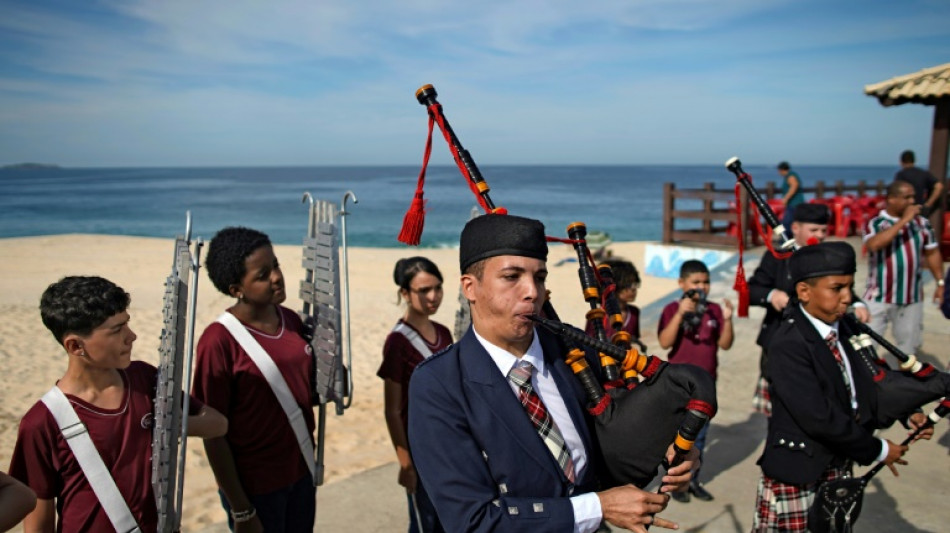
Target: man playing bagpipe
column 771, row 287
column 823, row 398
column 497, row 424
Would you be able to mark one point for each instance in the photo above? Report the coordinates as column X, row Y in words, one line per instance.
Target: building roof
column 922, row 87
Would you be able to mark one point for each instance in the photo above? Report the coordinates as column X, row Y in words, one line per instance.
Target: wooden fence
column 718, row 209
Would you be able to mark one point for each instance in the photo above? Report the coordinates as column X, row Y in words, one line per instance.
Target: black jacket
column 812, row 422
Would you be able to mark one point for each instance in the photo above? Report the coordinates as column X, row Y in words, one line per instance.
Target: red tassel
column 740, row 285
column 413, row 222
column 743, row 289
column 415, row 218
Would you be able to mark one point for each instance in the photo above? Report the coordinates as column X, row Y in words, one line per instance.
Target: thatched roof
column 923, row 87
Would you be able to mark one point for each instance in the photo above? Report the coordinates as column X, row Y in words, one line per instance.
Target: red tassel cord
column 414, row 221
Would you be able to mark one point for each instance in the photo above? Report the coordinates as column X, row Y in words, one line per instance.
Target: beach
column 360, row 488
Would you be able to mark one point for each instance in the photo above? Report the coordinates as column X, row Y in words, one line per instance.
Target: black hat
column 492, row 235
column 784, row 165
column 811, row 213
column 822, row 259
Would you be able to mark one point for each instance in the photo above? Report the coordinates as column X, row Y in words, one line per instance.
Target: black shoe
column 697, row 489
column 682, row 497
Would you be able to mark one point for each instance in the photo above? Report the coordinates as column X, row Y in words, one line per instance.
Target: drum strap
column 414, row 339
column 79, row 441
column 277, row 384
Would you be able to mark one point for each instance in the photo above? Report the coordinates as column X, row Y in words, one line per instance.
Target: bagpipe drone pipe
column 635, row 422
column 901, row 391
column 759, row 206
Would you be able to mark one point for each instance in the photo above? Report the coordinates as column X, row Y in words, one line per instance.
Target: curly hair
column 226, row 254
column 80, row 304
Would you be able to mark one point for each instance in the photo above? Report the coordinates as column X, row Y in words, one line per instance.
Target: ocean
column 623, row 201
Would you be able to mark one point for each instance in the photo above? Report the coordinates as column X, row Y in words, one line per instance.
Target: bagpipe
column 635, row 421
column 325, row 294
column 759, row 207
column 838, row 503
column 170, row 432
column 900, row 392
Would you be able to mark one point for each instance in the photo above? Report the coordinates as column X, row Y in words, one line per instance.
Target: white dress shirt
column 823, row 330
column 587, row 510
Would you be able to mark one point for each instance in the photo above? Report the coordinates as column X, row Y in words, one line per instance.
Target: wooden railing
column 717, row 212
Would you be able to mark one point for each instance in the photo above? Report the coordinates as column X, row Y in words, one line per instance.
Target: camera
column 693, row 319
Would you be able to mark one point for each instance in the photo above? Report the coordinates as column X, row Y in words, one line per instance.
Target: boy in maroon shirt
column 695, row 334
column 112, row 396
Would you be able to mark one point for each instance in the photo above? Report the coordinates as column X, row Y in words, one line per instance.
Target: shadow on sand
column 881, row 508
column 727, row 446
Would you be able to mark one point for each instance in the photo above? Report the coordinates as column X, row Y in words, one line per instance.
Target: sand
column 359, row 459
column 356, row 442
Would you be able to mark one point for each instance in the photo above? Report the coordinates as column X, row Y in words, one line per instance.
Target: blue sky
column 331, row 82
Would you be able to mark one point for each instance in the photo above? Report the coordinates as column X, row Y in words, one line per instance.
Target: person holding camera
column 694, row 329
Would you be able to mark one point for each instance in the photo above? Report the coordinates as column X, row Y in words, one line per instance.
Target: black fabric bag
column 837, row 506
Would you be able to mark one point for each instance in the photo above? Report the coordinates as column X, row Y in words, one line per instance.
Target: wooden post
column 668, row 190
column 939, row 145
column 839, row 188
column 708, row 207
column 820, row 189
column 862, row 189
column 769, row 190
column 880, row 188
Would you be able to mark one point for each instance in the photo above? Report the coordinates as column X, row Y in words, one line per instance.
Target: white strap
column 414, row 339
column 77, row 437
column 277, row 384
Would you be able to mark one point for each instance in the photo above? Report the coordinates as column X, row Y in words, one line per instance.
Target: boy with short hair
column 823, row 396
column 113, row 399
column 694, row 330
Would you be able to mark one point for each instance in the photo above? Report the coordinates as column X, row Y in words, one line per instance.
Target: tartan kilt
column 762, row 400
column 782, row 507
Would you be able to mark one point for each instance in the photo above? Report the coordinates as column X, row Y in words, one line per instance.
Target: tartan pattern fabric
column 762, row 399
column 781, row 507
column 832, row 340
column 520, row 375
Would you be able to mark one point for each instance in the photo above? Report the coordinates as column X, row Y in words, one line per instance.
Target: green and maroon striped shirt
column 894, row 270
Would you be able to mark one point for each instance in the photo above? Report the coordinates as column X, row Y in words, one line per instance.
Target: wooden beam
column 939, row 146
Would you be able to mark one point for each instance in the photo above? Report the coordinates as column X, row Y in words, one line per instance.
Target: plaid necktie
column 832, row 340
column 520, row 375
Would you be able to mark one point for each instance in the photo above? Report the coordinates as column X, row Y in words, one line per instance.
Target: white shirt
column 823, row 330
column 587, row 510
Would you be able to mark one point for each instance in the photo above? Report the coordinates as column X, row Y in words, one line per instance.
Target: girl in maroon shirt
column 264, row 480
column 414, row 338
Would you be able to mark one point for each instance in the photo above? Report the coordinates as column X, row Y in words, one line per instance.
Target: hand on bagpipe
column 901, row 393
column 635, row 422
column 838, row 503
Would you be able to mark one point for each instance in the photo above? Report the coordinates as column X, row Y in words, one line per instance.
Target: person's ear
column 803, row 290
column 236, row 291
column 468, row 283
column 74, row 345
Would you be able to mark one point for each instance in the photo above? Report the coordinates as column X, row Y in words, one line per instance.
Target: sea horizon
column 624, row 201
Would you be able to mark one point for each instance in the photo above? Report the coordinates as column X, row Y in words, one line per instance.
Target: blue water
column 624, row 201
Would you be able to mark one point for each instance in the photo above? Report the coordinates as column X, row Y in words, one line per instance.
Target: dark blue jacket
column 477, row 453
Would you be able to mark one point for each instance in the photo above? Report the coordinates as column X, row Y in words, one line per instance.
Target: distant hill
column 29, row 166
